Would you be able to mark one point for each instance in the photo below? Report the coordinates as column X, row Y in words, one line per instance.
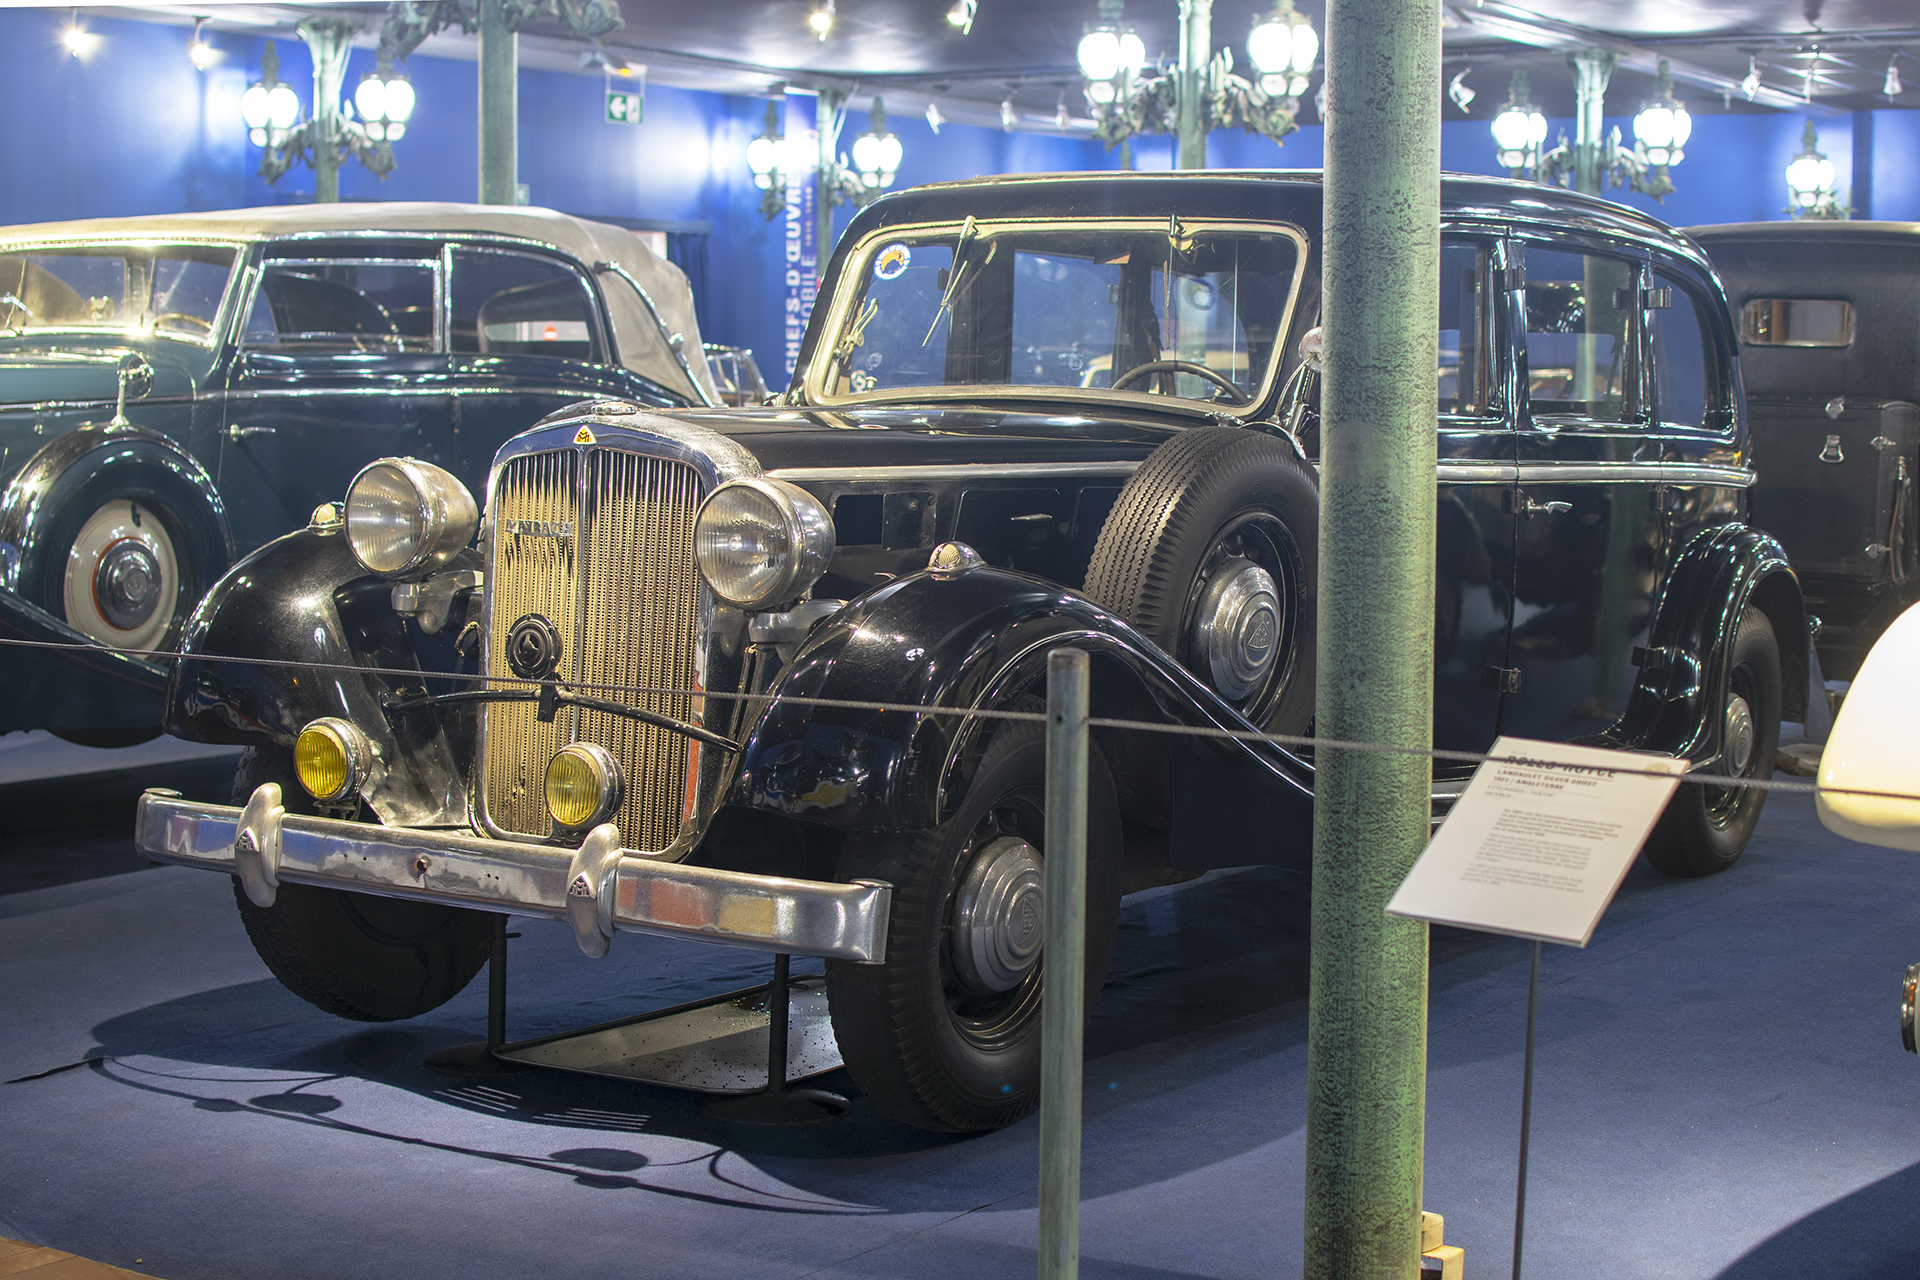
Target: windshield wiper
column 968, row 230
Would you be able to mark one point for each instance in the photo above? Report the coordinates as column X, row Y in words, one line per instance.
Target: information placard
column 1539, row 841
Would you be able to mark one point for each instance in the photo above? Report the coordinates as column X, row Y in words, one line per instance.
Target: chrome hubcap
column 1740, row 735
column 126, row 585
column 1236, row 629
column 999, row 915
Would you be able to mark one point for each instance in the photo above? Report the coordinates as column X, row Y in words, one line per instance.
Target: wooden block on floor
column 35, row 1262
column 1445, row 1263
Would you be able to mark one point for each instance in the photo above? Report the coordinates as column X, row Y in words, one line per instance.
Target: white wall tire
column 121, row 585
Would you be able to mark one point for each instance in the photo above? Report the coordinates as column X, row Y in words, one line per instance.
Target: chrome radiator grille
column 621, row 588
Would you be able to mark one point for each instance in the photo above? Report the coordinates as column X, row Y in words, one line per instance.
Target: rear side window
column 1580, row 352
column 1684, row 375
column 1463, row 320
column 333, row 305
column 522, row 305
column 1796, row 322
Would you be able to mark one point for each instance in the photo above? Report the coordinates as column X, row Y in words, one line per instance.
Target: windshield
column 1155, row 309
column 171, row 289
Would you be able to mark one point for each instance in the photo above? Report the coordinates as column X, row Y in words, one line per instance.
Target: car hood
column 785, row 438
column 31, row 375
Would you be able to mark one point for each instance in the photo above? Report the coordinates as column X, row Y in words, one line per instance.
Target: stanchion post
column 1065, row 966
column 1367, row 986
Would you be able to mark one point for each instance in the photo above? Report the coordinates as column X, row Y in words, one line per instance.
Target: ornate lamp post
column 1659, row 131
column 1591, row 163
column 330, row 137
column 1810, row 175
column 1201, row 94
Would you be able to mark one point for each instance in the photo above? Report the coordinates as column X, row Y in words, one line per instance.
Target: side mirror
column 136, row 383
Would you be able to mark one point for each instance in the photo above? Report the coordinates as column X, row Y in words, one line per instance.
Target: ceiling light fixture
column 1007, row 117
column 1660, row 132
column 934, row 117
column 1750, row 85
column 961, row 15
column 1459, row 91
column 821, row 19
column 1060, row 116
column 1892, row 87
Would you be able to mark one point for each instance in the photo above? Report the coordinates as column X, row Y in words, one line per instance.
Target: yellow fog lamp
column 583, row 786
column 332, row 759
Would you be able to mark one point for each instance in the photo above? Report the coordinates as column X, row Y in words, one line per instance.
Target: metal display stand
column 745, row 1047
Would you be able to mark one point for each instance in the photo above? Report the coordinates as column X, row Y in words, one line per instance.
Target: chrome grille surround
column 603, row 498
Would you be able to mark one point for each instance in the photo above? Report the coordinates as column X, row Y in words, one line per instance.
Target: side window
column 337, row 305
column 1684, row 378
column 1580, row 341
column 521, row 305
column 1464, row 375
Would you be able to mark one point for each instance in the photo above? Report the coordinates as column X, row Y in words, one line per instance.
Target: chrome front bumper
column 599, row 888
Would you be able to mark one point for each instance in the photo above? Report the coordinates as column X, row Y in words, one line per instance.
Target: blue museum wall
column 134, row 128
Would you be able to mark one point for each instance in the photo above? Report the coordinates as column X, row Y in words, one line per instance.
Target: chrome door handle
column 1528, row 507
column 238, row 433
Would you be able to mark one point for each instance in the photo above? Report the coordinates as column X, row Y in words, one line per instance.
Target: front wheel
column 1706, row 828
column 356, row 955
column 945, row 1034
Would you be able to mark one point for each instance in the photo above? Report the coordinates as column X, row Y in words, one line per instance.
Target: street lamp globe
column 1518, row 129
column 1663, row 125
column 253, row 107
column 1099, row 53
column 1810, row 177
column 283, row 107
column 1283, row 46
column 877, row 153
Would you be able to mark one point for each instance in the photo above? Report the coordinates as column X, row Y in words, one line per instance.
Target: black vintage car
column 177, row 389
column 1030, row 413
column 1829, row 319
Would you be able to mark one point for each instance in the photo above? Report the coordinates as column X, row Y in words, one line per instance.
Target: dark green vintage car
column 178, row 390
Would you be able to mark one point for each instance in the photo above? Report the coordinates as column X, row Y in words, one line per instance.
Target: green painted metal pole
column 1196, row 50
column 1064, row 977
column 828, row 113
column 499, row 105
column 1592, row 69
column 1367, row 986
column 329, row 44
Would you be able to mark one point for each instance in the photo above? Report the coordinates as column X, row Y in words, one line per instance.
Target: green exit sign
column 625, row 108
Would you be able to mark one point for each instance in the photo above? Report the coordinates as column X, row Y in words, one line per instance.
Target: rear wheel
column 1706, row 828
column 355, row 955
column 945, row 1035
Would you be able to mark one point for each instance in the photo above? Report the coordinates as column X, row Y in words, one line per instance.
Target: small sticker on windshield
column 892, row 261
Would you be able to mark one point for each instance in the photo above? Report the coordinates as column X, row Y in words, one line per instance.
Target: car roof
column 1837, row 228
column 586, row 241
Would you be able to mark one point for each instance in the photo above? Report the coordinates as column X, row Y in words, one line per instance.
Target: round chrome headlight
column 407, row 516
column 759, row 542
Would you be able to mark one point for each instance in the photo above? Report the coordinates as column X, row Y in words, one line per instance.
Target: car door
column 1589, row 535
column 1473, row 584
column 341, row 361
column 525, row 335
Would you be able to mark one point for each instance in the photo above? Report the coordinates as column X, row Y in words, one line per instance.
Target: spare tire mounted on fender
column 1212, row 552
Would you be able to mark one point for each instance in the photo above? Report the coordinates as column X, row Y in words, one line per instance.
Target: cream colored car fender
column 1875, row 746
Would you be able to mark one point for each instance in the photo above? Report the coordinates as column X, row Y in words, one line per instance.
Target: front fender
column 303, row 599
column 1714, row 578
column 979, row 641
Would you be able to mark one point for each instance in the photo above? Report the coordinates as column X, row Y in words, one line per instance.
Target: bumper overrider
column 599, row 888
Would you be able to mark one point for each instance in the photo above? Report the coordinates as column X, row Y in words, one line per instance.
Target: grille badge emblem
column 561, row 529
column 583, row 436
column 533, row 647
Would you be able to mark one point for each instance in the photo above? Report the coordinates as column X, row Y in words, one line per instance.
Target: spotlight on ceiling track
column 962, row 15
column 1892, row 87
column 1461, row 92
column 821, row 19
column 1008, row 118
column 935, row 118
column 202, row 54
column 1750, row 85
column 80, row 42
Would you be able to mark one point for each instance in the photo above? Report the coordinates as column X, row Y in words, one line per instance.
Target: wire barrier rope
column 1285, row 740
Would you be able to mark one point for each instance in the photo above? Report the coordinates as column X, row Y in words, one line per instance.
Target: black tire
column 928, row 1049
column 355, row 955
column 154, row 500
column 1207, row 500
column 1705, row 829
